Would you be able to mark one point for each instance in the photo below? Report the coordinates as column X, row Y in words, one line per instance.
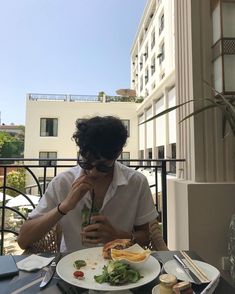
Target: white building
column 200, row 202
column 50, row 124
column 153, row 77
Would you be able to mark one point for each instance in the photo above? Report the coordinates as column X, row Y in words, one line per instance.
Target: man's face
column 97, row 168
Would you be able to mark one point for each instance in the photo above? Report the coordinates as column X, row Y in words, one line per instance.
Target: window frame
column 45, row 163
column 44, row 133
column 128, row 125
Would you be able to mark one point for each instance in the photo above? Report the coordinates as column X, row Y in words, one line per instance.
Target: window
column 49, row 155
column 153, row 65
column 146, row 54
column 153, row 39
column 49, row 127
column 123, row 156
column 141, row 83
column 161, row 23
column 141, row 62
column 146, row 76
column 150, row 153
column 160, row 152
column 162, row 54
column 172, row 168
column 126, row 123
column 141, row 156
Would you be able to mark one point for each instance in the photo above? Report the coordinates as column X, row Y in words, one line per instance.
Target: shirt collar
column 118, row 175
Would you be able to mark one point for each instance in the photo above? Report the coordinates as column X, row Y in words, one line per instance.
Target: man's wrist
column 60, row 210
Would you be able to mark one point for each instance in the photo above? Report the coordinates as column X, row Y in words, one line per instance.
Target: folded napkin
column 33, row 262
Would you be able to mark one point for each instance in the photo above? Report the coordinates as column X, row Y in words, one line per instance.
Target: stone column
column 209, row 157
column 202, row 199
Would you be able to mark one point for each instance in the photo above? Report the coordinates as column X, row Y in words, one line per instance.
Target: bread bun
column 115, row 244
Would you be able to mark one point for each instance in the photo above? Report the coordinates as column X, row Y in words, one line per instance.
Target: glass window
column 126, row 123
column 141, row 62
column 173, row 156
column 153, row 39
column 146, row 76
column 49, row 155
column 162, row 54
column 49, row 127
column 141, row 83
column 123, row 156
column 146, row 54
column 153, row 65
column 161, row 23
column 161, row 152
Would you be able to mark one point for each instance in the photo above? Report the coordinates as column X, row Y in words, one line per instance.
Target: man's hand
column 79, row 188
column 100, row 231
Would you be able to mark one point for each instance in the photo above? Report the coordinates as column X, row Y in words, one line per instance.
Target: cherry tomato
column 78, row 274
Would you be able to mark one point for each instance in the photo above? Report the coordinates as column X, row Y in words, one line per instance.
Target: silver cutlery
column 187, row 270
column 51, row 271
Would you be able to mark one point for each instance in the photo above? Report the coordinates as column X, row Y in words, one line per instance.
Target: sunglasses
column 103, row 168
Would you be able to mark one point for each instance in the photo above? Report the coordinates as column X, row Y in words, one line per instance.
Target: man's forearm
column 34, row 229
column 140, row 235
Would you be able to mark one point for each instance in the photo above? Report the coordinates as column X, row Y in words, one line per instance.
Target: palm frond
column 225, row 104
column 225, row 100
column 197, row 111
column 165, row 111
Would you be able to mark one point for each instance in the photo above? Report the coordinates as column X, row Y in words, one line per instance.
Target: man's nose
column 93, row 171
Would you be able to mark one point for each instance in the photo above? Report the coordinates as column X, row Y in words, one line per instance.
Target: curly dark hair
column 100, row 137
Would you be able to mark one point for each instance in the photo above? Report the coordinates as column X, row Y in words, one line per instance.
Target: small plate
column 156, row 290
column 172, row 267
column 134, row 248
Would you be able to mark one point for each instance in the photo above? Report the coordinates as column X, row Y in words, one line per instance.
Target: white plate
column 172, row 267
column 109, row 292
column 156, row 290
column 95, row 262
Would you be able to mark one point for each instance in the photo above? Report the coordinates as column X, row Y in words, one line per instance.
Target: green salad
column 118, row 273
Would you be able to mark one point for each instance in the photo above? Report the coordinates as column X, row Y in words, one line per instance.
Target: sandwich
column 118, row 244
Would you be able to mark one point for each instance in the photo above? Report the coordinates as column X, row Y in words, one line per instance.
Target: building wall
column 158, row 89
column 67, row 112
column 201, row 200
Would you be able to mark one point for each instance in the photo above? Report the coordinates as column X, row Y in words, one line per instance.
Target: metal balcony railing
column 42, row 170
column 82, row 98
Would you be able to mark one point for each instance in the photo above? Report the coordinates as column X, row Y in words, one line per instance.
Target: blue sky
column 64, row 46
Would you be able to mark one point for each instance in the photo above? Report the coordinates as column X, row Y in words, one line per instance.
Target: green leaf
column 197, row 111
column 165, row 111
column 226, row 100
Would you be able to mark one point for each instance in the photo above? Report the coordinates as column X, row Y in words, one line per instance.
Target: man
column 97, row 201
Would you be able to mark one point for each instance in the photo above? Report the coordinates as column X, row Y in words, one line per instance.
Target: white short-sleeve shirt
column 128, row 202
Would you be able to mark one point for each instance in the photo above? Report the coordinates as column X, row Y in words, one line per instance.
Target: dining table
column 28, row 282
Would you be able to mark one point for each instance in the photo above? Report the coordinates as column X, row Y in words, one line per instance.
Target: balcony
column 81, row 98
column 38, row 177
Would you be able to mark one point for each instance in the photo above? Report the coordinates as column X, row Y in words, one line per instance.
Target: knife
column 51, row 271
column 189, row 273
